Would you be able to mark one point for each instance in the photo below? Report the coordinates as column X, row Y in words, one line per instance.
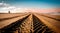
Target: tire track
column 51, row 23
column 13, row 27
column 28, row 24
column 40, row 27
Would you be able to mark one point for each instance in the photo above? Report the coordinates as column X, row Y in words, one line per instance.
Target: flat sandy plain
column 52, row 21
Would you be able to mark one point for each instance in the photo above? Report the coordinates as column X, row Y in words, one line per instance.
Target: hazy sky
column 6, row 5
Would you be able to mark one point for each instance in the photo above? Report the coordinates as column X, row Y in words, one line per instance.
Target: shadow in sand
column 14, row 26
column 40, row 27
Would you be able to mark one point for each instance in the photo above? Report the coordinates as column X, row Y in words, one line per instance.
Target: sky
column 22, row 5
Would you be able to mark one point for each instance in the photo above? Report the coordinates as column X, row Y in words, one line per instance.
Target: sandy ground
column 52, row 21
column 8, row 21
column 7, row 15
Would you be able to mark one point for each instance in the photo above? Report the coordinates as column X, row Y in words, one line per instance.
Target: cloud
column 4, row 5
column 7, row 7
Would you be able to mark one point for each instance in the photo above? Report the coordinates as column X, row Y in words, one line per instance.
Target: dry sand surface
column 7, row 15
column 53, row 16
column 52, row 21
column 6, row 19
column 31, row 22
